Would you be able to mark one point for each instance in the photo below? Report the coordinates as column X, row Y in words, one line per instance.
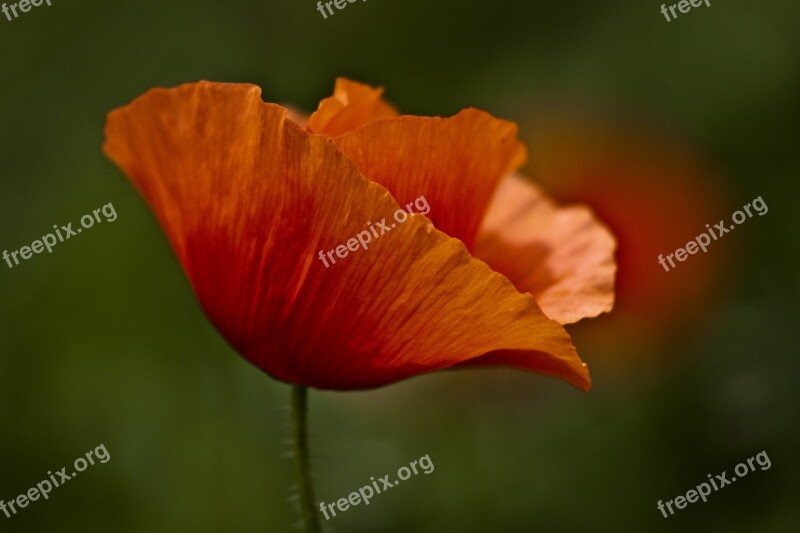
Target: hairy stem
column 305, row 488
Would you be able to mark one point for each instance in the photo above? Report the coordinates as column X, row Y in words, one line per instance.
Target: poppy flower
column 248, row 194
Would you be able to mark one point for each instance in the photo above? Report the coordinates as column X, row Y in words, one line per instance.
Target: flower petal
column 540, row 362
column 564, row 257
column 247, row 199
column 296, row 115
column 352, row 105
column 455, row 163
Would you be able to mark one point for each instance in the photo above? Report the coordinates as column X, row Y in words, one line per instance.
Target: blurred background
column 661, row 127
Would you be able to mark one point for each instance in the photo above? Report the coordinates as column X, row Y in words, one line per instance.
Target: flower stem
column 305, row 488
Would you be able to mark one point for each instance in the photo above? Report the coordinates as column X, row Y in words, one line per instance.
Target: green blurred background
column 103, row 341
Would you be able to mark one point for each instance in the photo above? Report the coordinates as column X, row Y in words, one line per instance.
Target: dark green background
column 103, row 341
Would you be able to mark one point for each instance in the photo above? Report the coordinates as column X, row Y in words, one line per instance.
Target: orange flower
column 247, row 197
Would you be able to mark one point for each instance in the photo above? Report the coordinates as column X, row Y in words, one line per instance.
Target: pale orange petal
column 248, row 199
column 296, row 115
column 352, row 105
column 564, row 256
column 455, row 163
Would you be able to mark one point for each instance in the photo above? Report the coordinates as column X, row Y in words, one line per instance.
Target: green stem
column 305, row 487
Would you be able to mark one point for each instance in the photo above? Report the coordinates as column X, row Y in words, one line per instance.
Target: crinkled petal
column 455, row 163
column 563, row 256
column 352, row 105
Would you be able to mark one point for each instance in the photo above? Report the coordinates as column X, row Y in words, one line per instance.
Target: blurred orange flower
column 656, row 192
column 247, row 196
